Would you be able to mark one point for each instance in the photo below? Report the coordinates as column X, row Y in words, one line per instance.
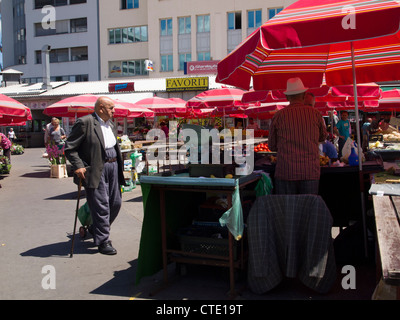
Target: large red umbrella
column 341, row 41
column 78, row 106
column 224, row 100
column 13, row 111
column 311, row 39
column 344, row 41
column 163, row 106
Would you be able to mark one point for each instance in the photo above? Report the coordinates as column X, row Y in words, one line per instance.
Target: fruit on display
column 262, row 147
column 323, row 160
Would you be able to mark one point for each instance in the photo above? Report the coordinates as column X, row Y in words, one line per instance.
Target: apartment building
column 92, row 40
column 171, row 32
column 69, row 28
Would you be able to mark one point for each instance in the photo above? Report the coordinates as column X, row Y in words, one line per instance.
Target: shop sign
column 117, row 87
column 40, row 105
column 201, row 67
column 187, row 84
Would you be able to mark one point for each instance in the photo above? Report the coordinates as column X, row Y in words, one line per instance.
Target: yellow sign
column 185, row 84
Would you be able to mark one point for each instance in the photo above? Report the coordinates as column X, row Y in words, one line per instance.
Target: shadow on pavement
column 122, row 284
column 37, row 174
column 68, row 196
column 61, row 249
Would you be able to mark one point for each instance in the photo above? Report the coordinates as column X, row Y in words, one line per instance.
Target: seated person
column 239, row 124
column 328, row 148
column 252, row 125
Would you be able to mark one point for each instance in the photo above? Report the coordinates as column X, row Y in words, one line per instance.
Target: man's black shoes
column 107, row 248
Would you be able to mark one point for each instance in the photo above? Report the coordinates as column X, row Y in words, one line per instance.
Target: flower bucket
column 58, row 171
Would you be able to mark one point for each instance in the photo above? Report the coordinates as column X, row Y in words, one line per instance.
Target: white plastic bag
column 346, row 151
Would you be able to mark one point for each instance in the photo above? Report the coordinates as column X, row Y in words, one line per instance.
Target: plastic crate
column 206, row 240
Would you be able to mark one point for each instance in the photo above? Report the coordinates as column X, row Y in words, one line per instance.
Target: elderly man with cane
column 96, row 159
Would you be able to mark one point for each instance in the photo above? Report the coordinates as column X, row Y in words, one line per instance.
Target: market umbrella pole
column 76, row 216
column 361, row 176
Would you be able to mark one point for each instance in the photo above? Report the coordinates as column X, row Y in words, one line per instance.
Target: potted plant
column 5, row 165
column 57, row 159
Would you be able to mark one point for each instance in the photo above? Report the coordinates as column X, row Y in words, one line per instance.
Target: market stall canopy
column 135, row 111
column 390, row 100
column 13, row 111
column 313, row 39
column 224, row 99
column 81, row 105
column 365, row 91
column 163, row 106
column 317, row 40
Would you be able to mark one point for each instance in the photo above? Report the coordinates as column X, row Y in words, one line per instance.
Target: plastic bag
column 84, row 215
column 233, row 218
column 346, row 151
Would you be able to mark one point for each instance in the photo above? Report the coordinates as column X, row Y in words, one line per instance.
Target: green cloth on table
column 182, row 206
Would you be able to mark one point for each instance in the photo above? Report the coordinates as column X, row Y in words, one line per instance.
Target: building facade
column 169, row 33
column 69, row 28
column 121, row 39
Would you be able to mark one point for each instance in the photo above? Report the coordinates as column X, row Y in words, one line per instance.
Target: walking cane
column 76, row 217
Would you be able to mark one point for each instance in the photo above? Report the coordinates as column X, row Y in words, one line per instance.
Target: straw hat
column 295, row 86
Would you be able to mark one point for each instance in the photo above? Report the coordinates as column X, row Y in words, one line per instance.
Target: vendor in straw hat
column 295, row 134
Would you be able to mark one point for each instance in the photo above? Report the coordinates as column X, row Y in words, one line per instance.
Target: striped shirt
column 295, row 133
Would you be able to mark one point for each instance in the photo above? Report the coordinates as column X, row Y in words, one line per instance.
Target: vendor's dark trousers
column 296, row 187
column 104, row 202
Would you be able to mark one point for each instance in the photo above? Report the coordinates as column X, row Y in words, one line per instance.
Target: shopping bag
column 84, row 215
column 346, row 151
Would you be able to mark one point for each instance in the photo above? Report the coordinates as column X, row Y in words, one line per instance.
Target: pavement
column 36, row 223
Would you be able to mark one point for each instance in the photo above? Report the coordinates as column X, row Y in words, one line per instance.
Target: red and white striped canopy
column 13, row 111
column 163, row 106
column 311, row 39
column 81, row 105
column 224, row 99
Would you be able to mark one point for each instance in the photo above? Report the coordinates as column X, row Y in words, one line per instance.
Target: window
column 185, row 25
column 234, row 20
column 39, row 4
column 184, row 57
column 254, row 19
column 59, row 55
column 166, row 27
column 273, row 11
column 127, row 68
column 78, row 25
column 76, row 1
column 79, row 53
column 62, row 26
column 72, row 78
column 118, row 35
column 128, row 35
column 129, row 4
column 167, row 62
column 203, row 56
column 203, row 23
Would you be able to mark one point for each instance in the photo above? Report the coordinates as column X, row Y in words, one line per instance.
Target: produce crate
column 206, row 240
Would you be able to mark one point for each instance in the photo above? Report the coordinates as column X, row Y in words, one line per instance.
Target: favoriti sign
column 183, row 84
column 201, row 67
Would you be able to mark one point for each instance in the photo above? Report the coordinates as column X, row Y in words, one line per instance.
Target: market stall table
column 169, row 204
column 387, row 210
